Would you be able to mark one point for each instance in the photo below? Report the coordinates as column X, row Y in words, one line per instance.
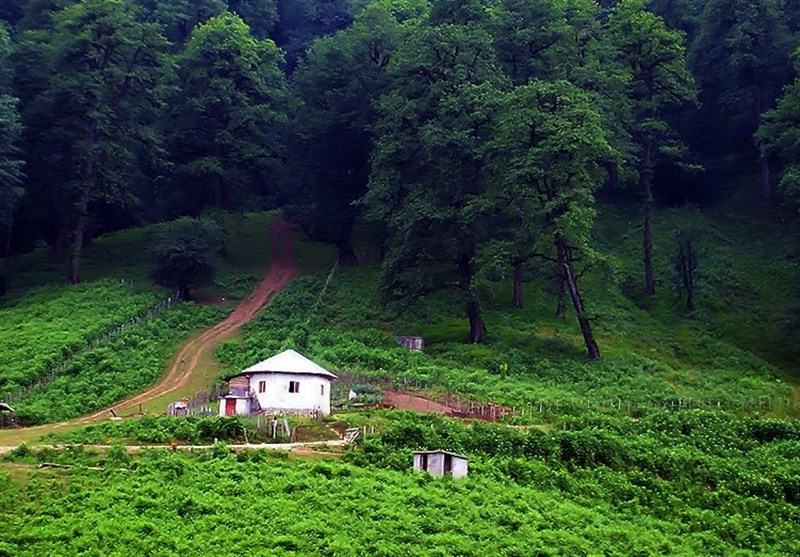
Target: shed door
column 448, row 464
column 230, row 406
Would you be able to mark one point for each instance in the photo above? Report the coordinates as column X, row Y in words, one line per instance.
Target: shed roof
column 289, row 362
column 442, row 452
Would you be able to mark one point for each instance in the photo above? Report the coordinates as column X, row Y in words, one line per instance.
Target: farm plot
column 51, row 324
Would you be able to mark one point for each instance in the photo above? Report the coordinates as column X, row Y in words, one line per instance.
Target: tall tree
column 659, row 80
column 104, row 75
column 10, row 154
column 780, row 134
column 180, row 17
column 225, row 116
column 560, row 40
column 338, row 86
column 185, row 253
column 302, row 21
column 550, row 143
column 429, row 182
column 742, row 59
column 43, row 211
column 260, row 15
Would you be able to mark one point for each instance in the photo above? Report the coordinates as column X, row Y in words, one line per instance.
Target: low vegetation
column 101, row 376
column 657, row 355
column 50, row 324
column 674, row 483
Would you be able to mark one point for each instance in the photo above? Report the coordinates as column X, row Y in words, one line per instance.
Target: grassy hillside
column 54, row 325
column 656, row 354
column 577, row 493
column 606, row 458
column 39, row 331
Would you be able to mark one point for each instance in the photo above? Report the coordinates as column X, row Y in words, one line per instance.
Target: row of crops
column 49, row 325
column 670, row 484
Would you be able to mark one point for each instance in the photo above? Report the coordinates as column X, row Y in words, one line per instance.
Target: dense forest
column 477, row 135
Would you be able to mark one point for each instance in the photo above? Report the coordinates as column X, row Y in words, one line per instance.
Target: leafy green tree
column 180, row 17
column 260, row 15
column 548, row 148
column 185, row 254
column 742, row 59
column 659, row 80
column 429, row 182
column 44, row 210
column 338, row 86
column 10, row 155
column 10, row 131
column 552, row 41
column 11, row 10
column 780, row 134
column 104, row 77
column 226, row 114
column 302, row 21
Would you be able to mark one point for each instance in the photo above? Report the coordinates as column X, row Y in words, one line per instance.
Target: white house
column 286, row 383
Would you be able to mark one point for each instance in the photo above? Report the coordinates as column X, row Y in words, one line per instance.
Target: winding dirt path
column 185, row 362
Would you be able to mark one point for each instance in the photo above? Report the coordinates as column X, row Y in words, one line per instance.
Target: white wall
column 460, row 467
column 278, row 397
column 435, row 465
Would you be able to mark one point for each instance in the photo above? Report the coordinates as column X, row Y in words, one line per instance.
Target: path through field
column 203, row 344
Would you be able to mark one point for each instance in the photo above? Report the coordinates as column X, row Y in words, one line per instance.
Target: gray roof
column 442, row 452
column 289, row 362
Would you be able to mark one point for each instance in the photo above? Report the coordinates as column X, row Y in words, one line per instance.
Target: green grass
column 51, row 323
column 569, row 493
column 41, row 326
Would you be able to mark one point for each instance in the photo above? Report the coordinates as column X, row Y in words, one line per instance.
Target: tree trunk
column 219, row 197
column 347, row 252
column 466, row 271
column 5, row 278
column 477, row 328
column 564, row 260
column 647, row 183
column 80, row 230
column 613, row 175
column 59, row 237
column 561, row 309
column 517, row 296
column 766, row 189
column 83, row 209
column 763, row 157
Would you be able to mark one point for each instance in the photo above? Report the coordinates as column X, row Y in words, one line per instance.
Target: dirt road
column 185, row 362
column 289, row 447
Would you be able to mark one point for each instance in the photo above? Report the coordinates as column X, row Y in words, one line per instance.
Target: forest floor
column 190, row 369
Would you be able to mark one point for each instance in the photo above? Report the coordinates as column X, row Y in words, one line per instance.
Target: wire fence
column 460, row 405
column 90, row 344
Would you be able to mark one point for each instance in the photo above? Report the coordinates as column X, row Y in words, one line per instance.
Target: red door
column 230, row 406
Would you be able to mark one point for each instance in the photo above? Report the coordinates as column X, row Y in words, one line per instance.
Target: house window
column 294, row 386
column 322, row 390
column 262, row 386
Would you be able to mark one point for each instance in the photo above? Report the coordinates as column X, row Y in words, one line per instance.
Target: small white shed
column 286, row 383
column 441, row 463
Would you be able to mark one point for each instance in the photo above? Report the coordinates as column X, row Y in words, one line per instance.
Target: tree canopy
column 474, row 137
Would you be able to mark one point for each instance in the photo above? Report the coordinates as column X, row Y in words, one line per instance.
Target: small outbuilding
column 7, row 415
column 415, row 344
column 441, row 463
column 286, row 383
